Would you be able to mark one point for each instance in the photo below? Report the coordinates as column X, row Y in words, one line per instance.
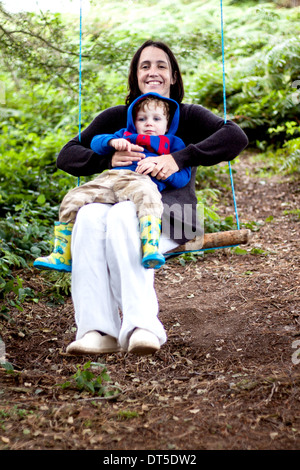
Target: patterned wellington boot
column 60, row 259
column 150, row 229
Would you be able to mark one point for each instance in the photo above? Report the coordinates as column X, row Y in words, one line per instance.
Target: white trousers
column 107, row 274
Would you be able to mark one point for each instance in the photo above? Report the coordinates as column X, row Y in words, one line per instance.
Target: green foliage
column 86, row 380
column 285, row 159
column 209, row 199
column 59, row 282
column 127, row 414
column 295, row 213
column 291, row 148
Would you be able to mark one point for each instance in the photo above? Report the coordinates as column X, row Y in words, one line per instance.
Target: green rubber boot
column 60, row 259
column 150, row 229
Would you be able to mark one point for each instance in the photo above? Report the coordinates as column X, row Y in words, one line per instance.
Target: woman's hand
column 165, row 166
column 125, row 158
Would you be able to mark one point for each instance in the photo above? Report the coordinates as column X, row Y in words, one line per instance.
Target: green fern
column 292, row 163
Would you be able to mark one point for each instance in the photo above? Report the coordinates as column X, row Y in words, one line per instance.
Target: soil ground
column 228, row 377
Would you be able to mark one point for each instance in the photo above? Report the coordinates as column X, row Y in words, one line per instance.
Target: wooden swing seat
column 210, row 241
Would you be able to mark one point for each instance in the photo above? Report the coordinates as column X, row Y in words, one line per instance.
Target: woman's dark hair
column 176, row 90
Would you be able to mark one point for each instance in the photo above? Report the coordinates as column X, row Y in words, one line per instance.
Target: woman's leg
column 94, row 304
column 107, row 273
column 132, row 284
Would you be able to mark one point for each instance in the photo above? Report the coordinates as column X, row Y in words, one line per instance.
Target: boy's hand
column 120, row 144
column 125, row 158
column 145, row 166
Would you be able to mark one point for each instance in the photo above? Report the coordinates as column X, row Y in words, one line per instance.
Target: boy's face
column 151, row 120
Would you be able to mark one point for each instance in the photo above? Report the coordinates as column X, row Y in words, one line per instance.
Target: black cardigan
column 208, row 141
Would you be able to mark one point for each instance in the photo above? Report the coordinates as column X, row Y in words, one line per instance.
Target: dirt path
column 228, row 377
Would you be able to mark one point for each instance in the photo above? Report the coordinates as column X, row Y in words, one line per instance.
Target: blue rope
column 223, row 63
column 176, row 253
column 234, row 198
column 80, row 78
column 225, row 114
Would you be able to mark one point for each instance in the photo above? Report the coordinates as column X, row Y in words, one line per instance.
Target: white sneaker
column 143, row 342
column 94, row 343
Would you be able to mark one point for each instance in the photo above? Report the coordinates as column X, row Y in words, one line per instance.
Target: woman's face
column 154, row 72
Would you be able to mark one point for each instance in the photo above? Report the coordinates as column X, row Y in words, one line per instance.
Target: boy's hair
column 157, row 103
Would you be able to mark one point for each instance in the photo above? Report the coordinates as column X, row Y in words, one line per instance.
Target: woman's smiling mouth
column 153, row 82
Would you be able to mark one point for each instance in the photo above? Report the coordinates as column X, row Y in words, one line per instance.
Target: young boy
column 151, row 123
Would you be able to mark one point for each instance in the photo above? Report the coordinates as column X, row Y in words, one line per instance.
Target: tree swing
column 210, row 241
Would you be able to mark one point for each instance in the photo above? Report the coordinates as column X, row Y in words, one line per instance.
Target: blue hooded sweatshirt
column 153, row 145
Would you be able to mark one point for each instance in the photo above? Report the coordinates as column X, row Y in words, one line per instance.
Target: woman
column 107, row 275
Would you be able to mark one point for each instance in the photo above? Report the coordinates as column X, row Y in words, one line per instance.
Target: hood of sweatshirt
column 174, row 113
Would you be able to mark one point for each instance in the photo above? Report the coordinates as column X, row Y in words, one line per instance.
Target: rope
column 80, row 78
column 176, row 253
column 223, row 62
column 225, row 114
